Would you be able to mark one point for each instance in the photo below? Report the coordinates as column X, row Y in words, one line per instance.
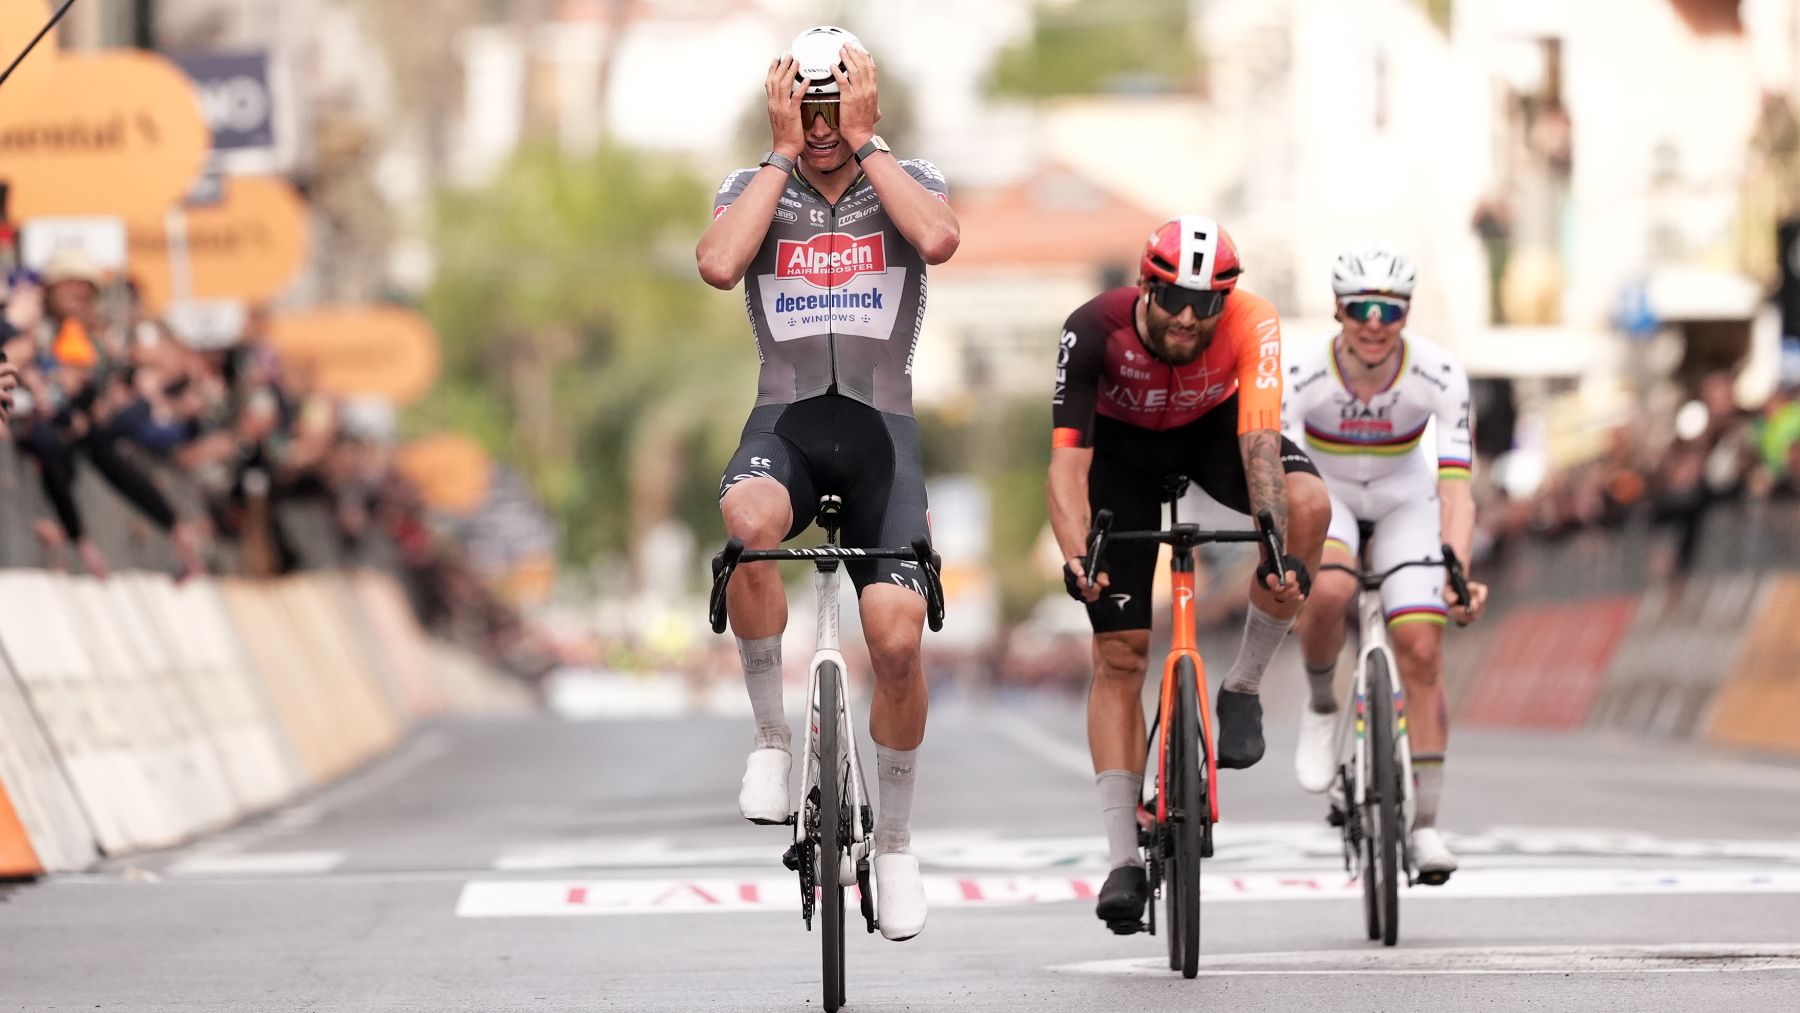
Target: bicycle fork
column 852, row 867
column 1375, row 638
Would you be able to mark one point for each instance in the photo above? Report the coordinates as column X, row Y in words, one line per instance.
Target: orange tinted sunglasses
column 810, row 110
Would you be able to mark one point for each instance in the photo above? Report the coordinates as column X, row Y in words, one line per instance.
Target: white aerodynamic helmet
column 815, row 53
column 1373, row 268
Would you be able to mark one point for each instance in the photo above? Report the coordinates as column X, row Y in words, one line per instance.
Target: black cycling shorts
column 836, row 445
column 1130, row 466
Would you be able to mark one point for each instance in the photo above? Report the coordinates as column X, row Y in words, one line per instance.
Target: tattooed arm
column 1268, row 491
column 1263, row 471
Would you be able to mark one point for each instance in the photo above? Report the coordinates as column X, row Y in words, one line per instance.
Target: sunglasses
column 1204, row 302
column 1374, row 310
column 810, row 110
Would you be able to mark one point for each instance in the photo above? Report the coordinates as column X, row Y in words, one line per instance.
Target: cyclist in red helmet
column 1179, row 374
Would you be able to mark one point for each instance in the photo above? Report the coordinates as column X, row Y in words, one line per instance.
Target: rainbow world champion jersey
column 1351, row 440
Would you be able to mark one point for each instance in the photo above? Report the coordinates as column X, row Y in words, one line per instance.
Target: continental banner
column 117, row 132
column 247, row 247
column 20, row 21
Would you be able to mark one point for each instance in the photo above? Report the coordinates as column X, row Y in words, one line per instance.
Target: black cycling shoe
column 1122, row 899
column 1240, row 729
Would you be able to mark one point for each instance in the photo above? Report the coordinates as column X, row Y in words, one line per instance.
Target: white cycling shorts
column 1408, row 526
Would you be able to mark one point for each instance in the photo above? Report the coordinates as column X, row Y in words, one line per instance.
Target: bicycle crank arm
column 867, row 894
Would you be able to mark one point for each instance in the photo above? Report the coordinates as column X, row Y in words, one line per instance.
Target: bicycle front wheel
column 832, row 837
column 1168, row 789
column 1189, row 822
column 1382, row 840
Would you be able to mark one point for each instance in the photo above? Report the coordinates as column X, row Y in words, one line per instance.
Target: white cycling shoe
column 1315, row 759
column 899, row 896
column 1431, row 858
column 763, row 797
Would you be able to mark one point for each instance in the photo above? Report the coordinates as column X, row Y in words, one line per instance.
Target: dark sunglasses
column 1205, row 302
column 809, row 110
column 1377, row 310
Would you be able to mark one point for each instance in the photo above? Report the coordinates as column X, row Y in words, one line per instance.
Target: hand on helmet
column 784, row 108
column 858, row 103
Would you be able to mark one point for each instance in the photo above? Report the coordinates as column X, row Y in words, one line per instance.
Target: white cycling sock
column 1324, row 694
column 762, row 677
column 894, row 770
column 1262, row 635
column 1428, row 787
column 1121, row 792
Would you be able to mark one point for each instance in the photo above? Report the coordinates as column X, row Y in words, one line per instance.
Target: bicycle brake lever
column 723, row 565
column 1096, row 545
column 929, row 566
column 1271, row 545
column 1459, row 581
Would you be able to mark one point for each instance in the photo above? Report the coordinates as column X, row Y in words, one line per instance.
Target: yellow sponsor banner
column 452, row 471
column 1759, row 704
column 118, row 132
column 246, row 247
column 20, row 21
column 382, row 351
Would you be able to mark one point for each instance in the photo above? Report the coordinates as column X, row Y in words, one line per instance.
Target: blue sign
column 1634, row 315
column 235, row 96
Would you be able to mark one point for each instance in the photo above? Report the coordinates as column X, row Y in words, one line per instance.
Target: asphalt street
column 549, row 864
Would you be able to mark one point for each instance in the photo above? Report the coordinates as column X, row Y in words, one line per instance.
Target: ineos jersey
column 1104, row 368
column 1356, row 441
column 836, row 294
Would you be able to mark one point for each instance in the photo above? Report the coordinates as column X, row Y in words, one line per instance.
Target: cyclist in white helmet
column 1361, row 402
column 830, row 236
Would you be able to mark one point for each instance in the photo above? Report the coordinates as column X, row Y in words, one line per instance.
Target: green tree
column 1095, row 46
column 1005, row 443
column 580, row 345
column 1441, row 12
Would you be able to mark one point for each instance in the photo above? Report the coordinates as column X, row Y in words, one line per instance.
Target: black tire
column 831, row 837
column 1366, row 857
column 1166, row 789
column 1383, row 848
column 1190, row 824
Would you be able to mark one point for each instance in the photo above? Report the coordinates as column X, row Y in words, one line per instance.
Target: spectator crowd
column 233, row 453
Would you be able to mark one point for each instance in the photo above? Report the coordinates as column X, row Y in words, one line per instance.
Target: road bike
column 1180, row 817
column 1372, row 795
column 833, row 829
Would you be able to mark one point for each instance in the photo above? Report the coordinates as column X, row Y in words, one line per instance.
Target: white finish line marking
column 1671, row 958
column 547, row 898
column 1248, row 846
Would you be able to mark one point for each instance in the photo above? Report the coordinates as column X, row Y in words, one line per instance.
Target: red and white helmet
column 1192, row 251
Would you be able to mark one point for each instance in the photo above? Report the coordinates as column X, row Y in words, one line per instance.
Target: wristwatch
column 778, row 160
column 871, row 146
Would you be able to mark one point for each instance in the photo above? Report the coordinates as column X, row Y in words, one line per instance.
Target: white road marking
column 257, row 863
column 1310, row 846
column 717, row 895
column 1672, row 958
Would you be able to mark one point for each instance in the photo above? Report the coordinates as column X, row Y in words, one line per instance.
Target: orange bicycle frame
column 1183, row 644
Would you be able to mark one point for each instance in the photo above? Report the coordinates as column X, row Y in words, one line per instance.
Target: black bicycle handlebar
column 726, row 563
column 1459, row 579
column 1181, row 536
